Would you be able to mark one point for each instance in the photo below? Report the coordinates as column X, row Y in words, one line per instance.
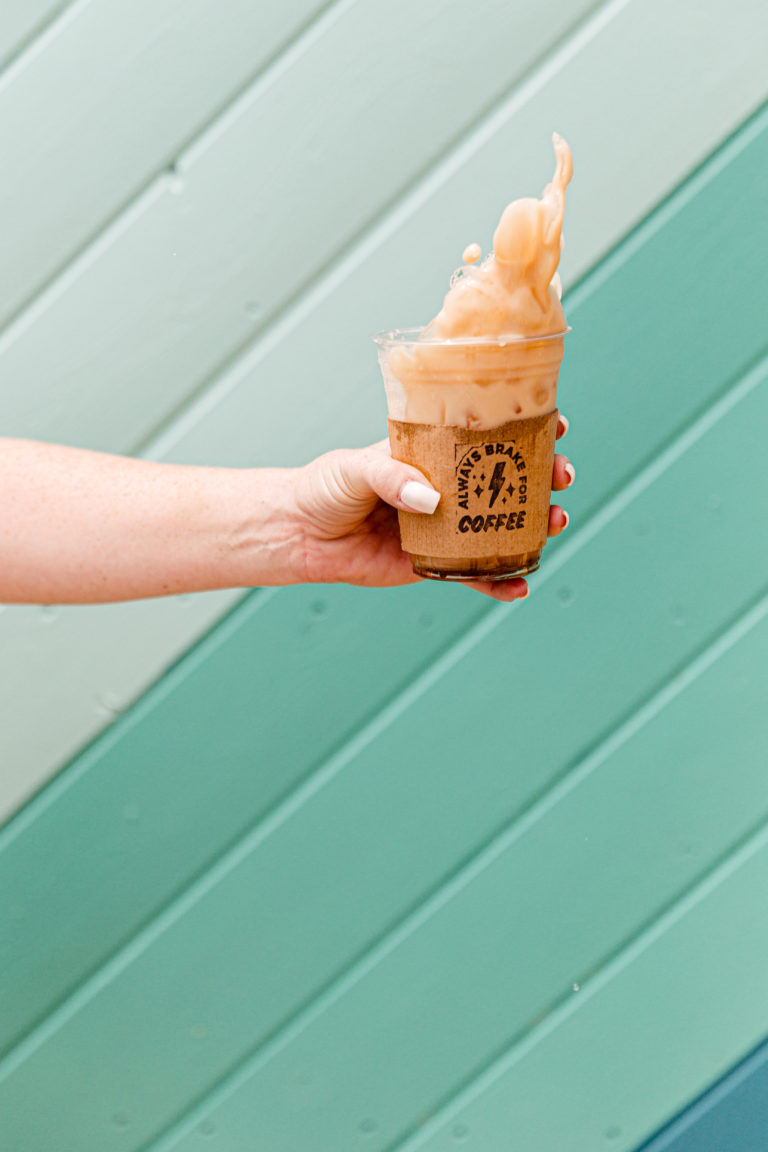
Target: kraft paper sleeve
column 495, row 486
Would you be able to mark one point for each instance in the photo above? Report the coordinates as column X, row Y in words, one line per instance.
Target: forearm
column 84, row 527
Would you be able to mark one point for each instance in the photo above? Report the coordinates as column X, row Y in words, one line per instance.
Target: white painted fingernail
column 418, row 497
column 570, row 472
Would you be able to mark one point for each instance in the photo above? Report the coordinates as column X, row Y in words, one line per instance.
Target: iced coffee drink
column 472, row 398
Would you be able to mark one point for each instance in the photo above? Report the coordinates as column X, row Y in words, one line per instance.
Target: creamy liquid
column 513, row 294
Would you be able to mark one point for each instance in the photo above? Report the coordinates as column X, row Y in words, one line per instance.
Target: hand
column 347, row 499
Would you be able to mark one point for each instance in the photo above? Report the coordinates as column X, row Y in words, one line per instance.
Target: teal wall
column 330, row 869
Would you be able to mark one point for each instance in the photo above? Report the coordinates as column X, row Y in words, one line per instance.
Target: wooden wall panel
column 495, row 989
column 391, row 819
column 642, row 1022
column 144, row 845
column 161, row 732
column 321, row 343
column 472, row 757
column 732, row 1114
column 158, row 73
column 195, row 268
column 377, row 870
column 22, row 21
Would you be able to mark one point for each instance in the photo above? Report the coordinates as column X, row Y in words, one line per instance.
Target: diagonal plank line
column 547, row 64
column 753, row 841
column 216, row 871
column 356, row 251
column 466, row 872
column 369, row 238
column 670, row 205
column 84, row 253
column 584, row 285
column 706, row 1106
column 38, row 38
column 80, row 764
column 308, row 297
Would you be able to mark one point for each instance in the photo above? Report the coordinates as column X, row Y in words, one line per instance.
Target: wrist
column 262, row 540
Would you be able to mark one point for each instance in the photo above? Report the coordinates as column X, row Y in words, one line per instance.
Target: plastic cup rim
column 400, row 336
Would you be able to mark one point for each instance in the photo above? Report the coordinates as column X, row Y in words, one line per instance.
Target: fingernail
column 570, row 472
column 567, row 520
column 565, row 423
column 418, row 497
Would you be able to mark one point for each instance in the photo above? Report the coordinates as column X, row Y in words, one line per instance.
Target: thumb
column 372, row 470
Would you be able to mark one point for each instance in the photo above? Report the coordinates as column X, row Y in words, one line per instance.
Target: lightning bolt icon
column 496, row 482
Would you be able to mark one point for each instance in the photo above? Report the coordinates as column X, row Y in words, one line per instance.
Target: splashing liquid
column 493, row 352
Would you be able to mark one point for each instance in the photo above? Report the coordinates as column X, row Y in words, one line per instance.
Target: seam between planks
column 727, row 864
column 368, row 238
column 708, row 1102
column 586, row 284
column 37, row 39
column 466, row 872
column 82, row 762
column 225, row 377
column 216, row 870
column 283, row 57
column 686, row 190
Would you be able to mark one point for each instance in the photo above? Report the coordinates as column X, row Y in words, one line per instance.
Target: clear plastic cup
column 477, row 416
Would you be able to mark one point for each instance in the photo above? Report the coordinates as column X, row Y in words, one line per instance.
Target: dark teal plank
column 732, row 1116
column 471, row 753
column 216, row 744
column 681, row 1005
column 666, row 322
column 166, row 759
column 553, row 904
column 238, row 737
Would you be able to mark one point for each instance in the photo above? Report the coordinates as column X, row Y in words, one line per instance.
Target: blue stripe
column 732, row 1116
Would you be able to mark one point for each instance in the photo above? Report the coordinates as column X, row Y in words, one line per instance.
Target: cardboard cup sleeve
column 495, row 487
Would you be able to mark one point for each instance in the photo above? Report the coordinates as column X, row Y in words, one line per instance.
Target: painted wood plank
column 20, row 20
column 732, row 1114
column 402, row 269
column 195, row 269
column 103, row 656
column 521, row 938
column 389, row 820
column 148, row 637
column 641, row 1025
column 321, row 670
column 158, row 72
column 630, row 281
column 117, row 650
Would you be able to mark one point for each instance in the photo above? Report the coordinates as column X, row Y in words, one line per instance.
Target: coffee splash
column 506, row 319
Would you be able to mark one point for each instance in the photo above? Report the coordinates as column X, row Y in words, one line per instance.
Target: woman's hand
column 81, row 527
column 348, row 500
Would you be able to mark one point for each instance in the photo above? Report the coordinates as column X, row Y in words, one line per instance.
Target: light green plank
column 508, row 948
column 80, row 911
column 622, row 55
column 158, row 71
column 81, row 667
column 300, row 901
column 282, row 684
column 89, row 934
column 651, row 1036
column 20, row 20
column 271, row 194
column 402, row 271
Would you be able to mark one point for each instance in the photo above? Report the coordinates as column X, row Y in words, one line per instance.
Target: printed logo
column 492, row 486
